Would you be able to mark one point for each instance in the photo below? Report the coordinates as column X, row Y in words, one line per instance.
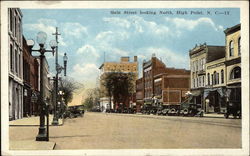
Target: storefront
column 215, row 100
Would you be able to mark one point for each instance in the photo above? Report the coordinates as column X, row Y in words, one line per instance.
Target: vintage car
column 76, row 111
column 162, row 110
column 159, row 111
column 174, row 110
column 233, row 108
column 146, row 109
column 191, row 109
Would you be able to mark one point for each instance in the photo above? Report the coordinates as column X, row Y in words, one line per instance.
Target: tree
column 92, row 100
column 68, row 86
column 120, row 86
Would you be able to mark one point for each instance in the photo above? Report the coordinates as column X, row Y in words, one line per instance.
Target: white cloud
column 170, row 58
column 120, row 52
column 151, row 27
column 117, row 21
column 103, row 35
column 183, row 23
column 85, row 72
column 49, row 29
column 74, row 29
column 112, row 36
column 88, row 50
column 88, row 53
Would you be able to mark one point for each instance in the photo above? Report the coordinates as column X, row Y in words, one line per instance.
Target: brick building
column 151, row 68
column 162, row 85
column 30, row 81
column 139, row 94
column 170, row 87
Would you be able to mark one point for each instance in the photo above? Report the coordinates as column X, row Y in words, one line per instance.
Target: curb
column 34, row 125
column 189, row 119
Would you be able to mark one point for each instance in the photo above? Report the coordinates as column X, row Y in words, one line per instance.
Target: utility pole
column 55, row 118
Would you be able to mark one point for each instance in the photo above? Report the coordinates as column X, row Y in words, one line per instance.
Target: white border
column 243, row 5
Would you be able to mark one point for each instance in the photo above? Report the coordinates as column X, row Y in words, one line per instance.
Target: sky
column 86, row 34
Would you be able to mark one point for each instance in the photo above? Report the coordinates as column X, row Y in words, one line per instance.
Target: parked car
column 191, row 109
column 159, row 111
column 174, row 110
column 233, row 108
column 76, row 111
column 146, row 109
column 165, row 110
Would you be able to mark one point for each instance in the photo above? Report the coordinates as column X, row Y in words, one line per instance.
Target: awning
column 196, row 93
column 221, row 91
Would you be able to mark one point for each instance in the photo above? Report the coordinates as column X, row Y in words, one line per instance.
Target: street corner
column 32, row 145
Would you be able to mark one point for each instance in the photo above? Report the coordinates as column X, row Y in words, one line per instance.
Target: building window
column 239, row 46
column 197, row 68
column 208, row 79
column 11, row 58
column 203, row 81
column 20, row 70
column 15, row 34
column 11, row 20
column 218, row 78
column 204, row 62
column 236, row 73
column 222, row 76
column 212, row 78
column 231, row 48
column 16, row 62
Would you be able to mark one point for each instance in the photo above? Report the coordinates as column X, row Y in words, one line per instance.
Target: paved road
column 122, row 131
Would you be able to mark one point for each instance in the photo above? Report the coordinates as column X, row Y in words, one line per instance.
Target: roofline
column 232, row 29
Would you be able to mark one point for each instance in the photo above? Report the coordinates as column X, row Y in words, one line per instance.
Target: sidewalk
column 213, row 115
column 33, row 121
column 31, row 145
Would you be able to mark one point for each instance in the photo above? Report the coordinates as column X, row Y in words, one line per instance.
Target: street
column 129, row 131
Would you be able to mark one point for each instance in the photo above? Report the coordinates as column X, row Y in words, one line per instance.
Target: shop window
column 235, row 73
column 231, row 48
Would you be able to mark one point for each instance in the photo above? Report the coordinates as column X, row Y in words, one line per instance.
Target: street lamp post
column 41, row 39
column 58, row 71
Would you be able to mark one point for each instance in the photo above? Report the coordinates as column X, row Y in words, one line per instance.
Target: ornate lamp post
column 65, row 59
column 58, row 71
column 41, row 39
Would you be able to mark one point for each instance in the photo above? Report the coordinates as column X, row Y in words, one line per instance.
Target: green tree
column 68, row 86
column 92, row 99
column 119, row 85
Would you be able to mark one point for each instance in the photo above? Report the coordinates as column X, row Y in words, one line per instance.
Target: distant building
column 151, row 68
column 15, row 48
column 233, row 63
column 124, row 66
column 162, row 85
column 171, row 86
column 139, row 94
column 199, row 56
